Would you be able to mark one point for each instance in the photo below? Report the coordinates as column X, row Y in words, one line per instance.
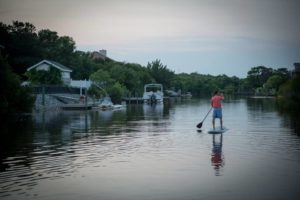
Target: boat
column 187, row 95
column 153, row 93
column 119, row 106
column 107, row 104
column 172, row 93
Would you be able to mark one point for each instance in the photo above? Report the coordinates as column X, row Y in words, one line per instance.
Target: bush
column 289, row 94
column 13, row 98
column 116, row 92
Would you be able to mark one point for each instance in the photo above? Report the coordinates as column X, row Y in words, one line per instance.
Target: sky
column 205, row 36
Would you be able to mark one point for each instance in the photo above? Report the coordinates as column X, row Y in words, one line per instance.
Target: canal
column 152, row 152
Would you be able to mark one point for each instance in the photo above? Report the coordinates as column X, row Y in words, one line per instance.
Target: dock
column 138, row 100
column 133, row 100
column 76, row 107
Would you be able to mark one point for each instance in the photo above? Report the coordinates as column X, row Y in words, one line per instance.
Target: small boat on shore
column 107, row 104
column 187, row 95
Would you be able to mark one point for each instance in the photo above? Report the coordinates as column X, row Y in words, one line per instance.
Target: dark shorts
column 217, row 113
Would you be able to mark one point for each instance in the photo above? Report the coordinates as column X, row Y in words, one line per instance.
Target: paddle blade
column 199, row 125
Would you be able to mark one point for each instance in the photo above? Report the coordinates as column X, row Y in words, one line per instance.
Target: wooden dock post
column 43, row 96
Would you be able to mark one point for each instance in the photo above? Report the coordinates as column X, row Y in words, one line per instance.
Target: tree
column 64, row 49
column 289, row 94
column 102, row 80
column 116, row 92
column 21, row 44
column 47, row 41
column 25, row 46
column 56, row 48
column 83, row 66
column 283, row 72
column 160, row 73
column 257, row 76
column 13, row 98
column 274, row 82
column 127, row 77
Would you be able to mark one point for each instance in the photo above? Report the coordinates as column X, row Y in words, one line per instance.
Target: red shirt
column 216, row 101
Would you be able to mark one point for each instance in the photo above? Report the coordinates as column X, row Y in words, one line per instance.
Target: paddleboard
column 217, row 130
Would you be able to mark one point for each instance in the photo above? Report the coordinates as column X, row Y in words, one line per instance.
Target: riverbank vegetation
column 289, row 94
column 13, row 98
column 25, row 46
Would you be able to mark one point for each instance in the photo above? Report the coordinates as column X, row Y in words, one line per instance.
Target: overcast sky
column 205, row 36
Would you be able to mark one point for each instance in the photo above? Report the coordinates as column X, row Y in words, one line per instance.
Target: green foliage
column 265, row 80
column 101, row 83
column 116, row 92
column 127, row 76
column 20, row 41
column 274, row 82
column 24, row 46
column 83, row 66
column 257, row 76
column 229, row 89
column 13, row 98
column 101, row 78
column 160, row 73
column 203, row 85
column 50, row 77
column 296, row 87
column 132, row 77
column 291, row 89
column 289, row 94
column 96, row 92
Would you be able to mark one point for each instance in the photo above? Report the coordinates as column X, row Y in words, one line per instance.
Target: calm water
column 148, row 152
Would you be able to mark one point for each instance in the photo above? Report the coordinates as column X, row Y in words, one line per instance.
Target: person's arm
column 222, row 95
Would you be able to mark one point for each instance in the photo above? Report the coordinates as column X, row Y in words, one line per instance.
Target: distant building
column 46, row 64
column 297, row 68
column 99, row 55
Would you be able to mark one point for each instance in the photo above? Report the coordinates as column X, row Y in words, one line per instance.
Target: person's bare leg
column 213, row 122
column 221, row 122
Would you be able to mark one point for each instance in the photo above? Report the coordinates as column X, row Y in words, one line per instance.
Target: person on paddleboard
column 216, row 103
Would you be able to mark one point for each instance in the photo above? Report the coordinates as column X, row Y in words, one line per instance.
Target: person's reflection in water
column 217, row 159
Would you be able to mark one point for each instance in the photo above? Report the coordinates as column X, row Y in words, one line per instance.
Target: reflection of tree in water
column 14, row 130
column 261, row 104
column 291, row 120
column 27, row 144
column 217, row 158
column 154, row 111
column 105, row 122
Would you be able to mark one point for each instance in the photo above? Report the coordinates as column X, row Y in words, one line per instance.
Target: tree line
column 24, row 46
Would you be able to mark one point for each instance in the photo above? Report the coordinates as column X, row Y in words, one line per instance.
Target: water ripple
column 152, row 148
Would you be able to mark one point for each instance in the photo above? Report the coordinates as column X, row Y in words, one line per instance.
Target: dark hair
column 216, row 92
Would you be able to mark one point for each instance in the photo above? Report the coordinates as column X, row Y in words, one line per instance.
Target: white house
column 46, row 64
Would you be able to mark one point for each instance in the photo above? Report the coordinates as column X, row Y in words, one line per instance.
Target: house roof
column 52, row 63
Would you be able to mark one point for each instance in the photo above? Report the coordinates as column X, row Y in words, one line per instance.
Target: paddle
column 200, row 124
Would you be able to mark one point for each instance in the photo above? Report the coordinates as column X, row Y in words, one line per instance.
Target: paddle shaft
column 200, row 124
column 207, row 114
